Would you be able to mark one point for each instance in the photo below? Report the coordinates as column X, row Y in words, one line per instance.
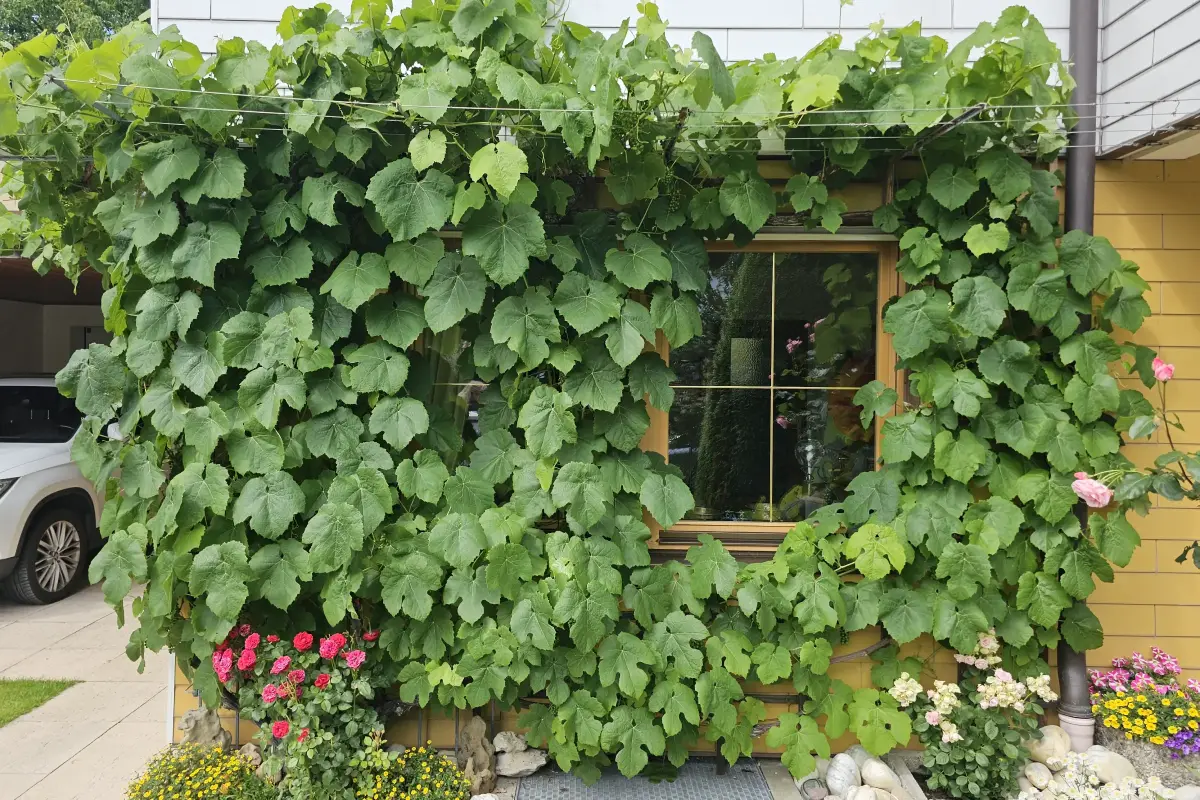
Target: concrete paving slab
column 14, row 784
column 37, row 635
column 73, row 664
column 8, row 657
column 103, row 769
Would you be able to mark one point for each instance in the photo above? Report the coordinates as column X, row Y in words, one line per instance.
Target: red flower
column 355, row 658
column 270, row 693
column 281, row 664
column 280, row 728
column 332, row 646
column 272, row 638
column 296, row 676
column 244, row 630
column 246, row 660
column 252, row 641
column 370, row 636
column 302, row 641
column 322, row 680
column 302, row 735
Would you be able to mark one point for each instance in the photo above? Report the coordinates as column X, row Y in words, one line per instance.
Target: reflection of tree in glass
column 732, row 472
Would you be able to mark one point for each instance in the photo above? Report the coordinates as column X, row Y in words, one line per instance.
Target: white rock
column 859, row 754
column 520, row 765
column 822, row 767
column 879, row 775
column 1188, row 792
column 1024, row 785
column 252, row 753
column 818, row 773
column 1110, row 767
column 1038, row 774
column 862, row 793
column 843, row 775
column 488, row 796
column 509, row 742
column 1054, row 744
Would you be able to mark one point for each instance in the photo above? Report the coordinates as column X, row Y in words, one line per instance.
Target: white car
column 48, row 510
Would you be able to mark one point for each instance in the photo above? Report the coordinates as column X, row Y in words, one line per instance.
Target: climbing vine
column 381, row 354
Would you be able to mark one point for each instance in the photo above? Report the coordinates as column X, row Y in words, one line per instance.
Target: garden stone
column 859, row 754
column 1188, row 792
column 521, row 764
column 1052, row 748
column 398, row 749
column 879, row 775
column 817, row 774
column 843, row 775
column 203, row 726
column 1110, row 767
column 862, row 793
column 509, row 742
column 488, row 796
column 1038, row 774
column 1024, row 785
column 476, row 756
column 251, row 752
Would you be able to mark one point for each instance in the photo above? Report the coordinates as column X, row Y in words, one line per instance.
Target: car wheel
column 53, row 559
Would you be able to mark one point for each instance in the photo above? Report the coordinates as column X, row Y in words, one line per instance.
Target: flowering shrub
column 1143, row 698
column 972, row 732
column 1078, row 781
column 199, row 773
column 420, row 773
column 313, row 705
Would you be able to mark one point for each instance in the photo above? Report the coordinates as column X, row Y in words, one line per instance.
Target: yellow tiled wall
column 1150, row 210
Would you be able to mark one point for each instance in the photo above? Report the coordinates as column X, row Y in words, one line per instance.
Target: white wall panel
column 825, row 13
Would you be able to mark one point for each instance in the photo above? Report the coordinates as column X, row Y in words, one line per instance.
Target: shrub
column 198, row 772
column 313, row 701
column 421, row 773
column 973, row 731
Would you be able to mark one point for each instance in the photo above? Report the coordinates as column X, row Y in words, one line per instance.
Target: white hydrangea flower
column 905, row 690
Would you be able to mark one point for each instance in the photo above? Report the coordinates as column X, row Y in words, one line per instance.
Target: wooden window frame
column 765, row 536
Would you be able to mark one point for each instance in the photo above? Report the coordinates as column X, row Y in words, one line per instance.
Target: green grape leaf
column 333, row 536
column 640, row 262
column 952, row 186
column 219, row 574
column 408, row 204
column 456, row 288
column 667, row 498
column 502, row 163
column 748, row 199
column 357, row 278
column 503, row 239
column 270, row 503
column 399, row 420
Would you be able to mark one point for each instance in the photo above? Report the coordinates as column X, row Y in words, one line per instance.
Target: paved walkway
column 89, row 741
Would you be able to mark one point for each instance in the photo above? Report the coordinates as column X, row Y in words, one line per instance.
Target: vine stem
column 1162, row 394
column 886, row 641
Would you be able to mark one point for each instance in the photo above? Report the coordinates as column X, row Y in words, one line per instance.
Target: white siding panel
column 204, row 33
column 1145, row 18
column 1112, row 10
column 1134, row 59
column 683, row 37
column 1167, row 78
column 262, row 10
column 1177, row 34
column 748, row 43
column 185, row 9
column 726, row 14
column 1051, row 13
column 825, row 13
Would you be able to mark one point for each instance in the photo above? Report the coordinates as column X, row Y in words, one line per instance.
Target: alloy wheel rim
column 58, row 555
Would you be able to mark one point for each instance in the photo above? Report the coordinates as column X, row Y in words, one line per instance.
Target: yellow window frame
column 764, row 536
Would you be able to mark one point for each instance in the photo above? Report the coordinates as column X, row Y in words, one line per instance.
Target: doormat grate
column 698, row 780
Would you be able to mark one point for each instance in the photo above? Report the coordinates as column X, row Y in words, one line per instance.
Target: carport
column 43, row 318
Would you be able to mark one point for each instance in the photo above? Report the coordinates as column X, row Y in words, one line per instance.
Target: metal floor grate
column 698, row 780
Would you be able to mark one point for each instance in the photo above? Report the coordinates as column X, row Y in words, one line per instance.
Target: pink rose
column 222, row 661
column 252, row 641
column 1003, row 675
column 281, row 664
column 933, row 717
column 272, row 638
column 280, row 728
column 1162, row 370
column 332, row 646
column 247, row 660
column 355, row 658
column 302, row 641
column 1091, row 491
column 981, row 663
column 296, row 676
column 322, row 681
column 370, row 636
column 270, row 693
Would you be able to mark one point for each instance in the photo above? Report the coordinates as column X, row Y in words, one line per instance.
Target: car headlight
column 5, row 485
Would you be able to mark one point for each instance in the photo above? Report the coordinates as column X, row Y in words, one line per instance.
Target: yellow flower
column 1157, row 740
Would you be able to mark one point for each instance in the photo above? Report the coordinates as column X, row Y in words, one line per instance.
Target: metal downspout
column 1074, row 706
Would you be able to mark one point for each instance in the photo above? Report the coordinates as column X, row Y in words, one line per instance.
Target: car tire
column 53, row 560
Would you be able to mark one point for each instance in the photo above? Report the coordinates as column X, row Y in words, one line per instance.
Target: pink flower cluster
column 1140, row 674
column 331, row 646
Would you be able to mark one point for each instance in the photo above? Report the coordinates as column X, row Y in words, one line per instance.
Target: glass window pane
column 820, row 445
column 734, row 348
column 825, row 318
column 720, row 438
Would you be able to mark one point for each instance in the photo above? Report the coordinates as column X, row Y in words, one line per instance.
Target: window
column 763, row 426
column 36, row 414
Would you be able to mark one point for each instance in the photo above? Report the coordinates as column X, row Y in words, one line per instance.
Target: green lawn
column 21, row 696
